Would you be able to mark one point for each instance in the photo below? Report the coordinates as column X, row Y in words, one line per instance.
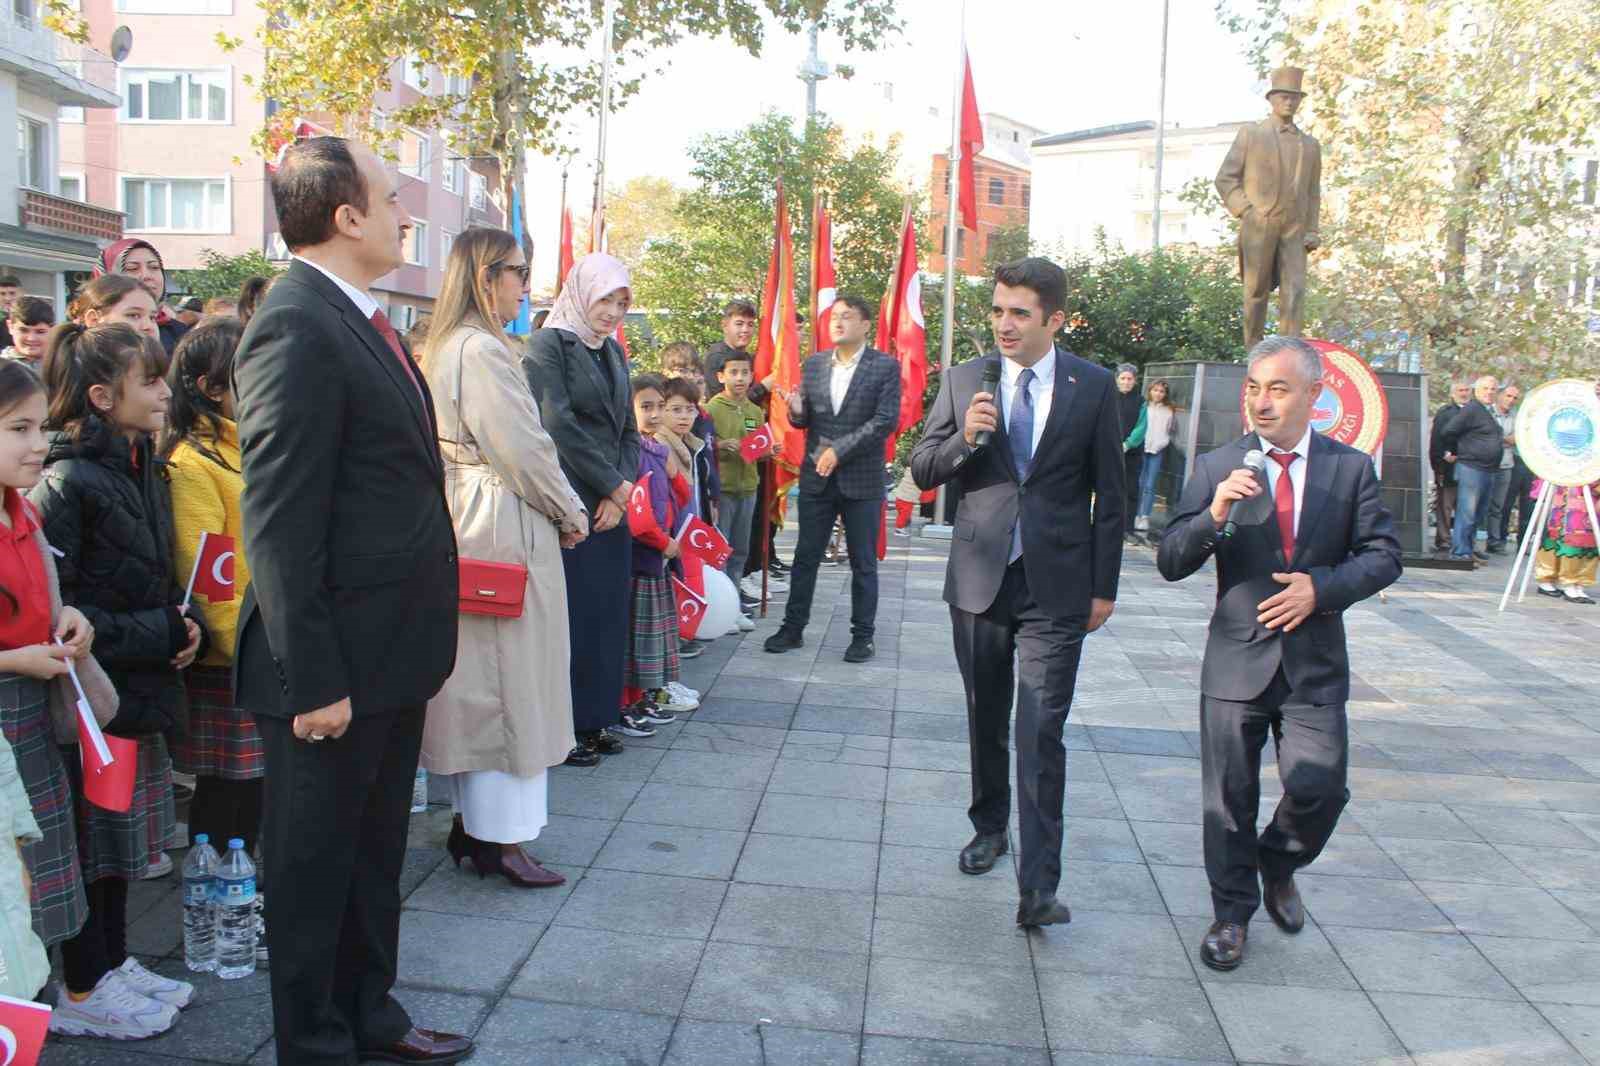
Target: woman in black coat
column 580, row 377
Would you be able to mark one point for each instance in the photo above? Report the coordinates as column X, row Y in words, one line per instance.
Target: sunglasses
column 521, row 271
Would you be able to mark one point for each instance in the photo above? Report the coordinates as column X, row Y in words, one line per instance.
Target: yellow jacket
column 205, row 499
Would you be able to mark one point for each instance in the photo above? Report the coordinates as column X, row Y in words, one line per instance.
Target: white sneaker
column 750, row 585
column 113, row 1011
column 176, row 994
column 745, row 623
column 675, row 700
column 158, row 869
column 677, row 688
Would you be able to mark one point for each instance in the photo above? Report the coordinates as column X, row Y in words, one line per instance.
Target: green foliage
column 222, row 275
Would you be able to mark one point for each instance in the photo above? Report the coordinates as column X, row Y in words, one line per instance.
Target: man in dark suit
column 848, row 403
column 1443, row 462
column 1030, row 572
column 1275, row 657
column 349, row 625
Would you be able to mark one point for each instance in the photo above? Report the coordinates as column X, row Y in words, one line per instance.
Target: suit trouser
column 861, row 521
column 1047, row 650
column 1313, row 756
column 333, row 845
column 1444, row 512
column 1498, row 521
column 1272, row 243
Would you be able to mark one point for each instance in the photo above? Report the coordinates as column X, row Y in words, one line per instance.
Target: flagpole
column 1161, row 128
column 597, row 210
column 947, row 335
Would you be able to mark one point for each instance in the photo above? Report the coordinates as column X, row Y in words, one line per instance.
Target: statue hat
column 1287, row 80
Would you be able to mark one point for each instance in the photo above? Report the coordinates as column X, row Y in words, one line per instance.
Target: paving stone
column 1110, row 886
column 933, row 872
column 1518, row 825
column 923, row 826
column 898, row 1051
column 460, row 891
column 828, row 779
column 1586, row 905
column 1129, row 1015
column 856, row 749
column 1564, row 868
column 643, row 903
column 688, row 805
column 951, row 1001
column 1347, row 1029
column 1503, row 910
column 697, row 1043
column 1438, row 964
column 826, row 695
column 570, row 840
column 1370, row 903
column 784, row 916
column 1431, row 821
column 1452, row 860
column 1550, row 971
column 929, row 787
column 590, row 796
column 1580, row 1025
column 706, row 769
column 744, row 712
column 930, row 726
column 918, row 754
column 683, row 851
column 829, row 817
column 600, row 968
column 456, row 953
column 1184, row 890
column 524, row 1032
column 1474, row 1031
column 809, row 862
column 1099, row 839
column 729, row 739
column 848, row 720
column 949, row 930
column 786, row 986
column 1138, row 945
column 1305, row 959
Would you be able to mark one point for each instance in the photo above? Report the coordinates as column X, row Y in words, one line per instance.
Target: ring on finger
column 317, row 736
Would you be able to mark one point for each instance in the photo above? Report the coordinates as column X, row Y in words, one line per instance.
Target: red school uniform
column 22, row 575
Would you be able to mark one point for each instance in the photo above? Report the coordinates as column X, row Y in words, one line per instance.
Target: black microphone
column 1252, row 510
column 991, row 385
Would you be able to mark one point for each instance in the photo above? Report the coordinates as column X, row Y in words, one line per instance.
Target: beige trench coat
column 508, row 706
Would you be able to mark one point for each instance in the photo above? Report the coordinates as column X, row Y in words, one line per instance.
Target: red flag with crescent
column 213, row 568
column 703, row 541
column 757, row 444
column 691, row 608
column 23, row 1025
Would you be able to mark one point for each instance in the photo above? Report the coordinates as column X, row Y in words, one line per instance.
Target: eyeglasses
column 521, row 269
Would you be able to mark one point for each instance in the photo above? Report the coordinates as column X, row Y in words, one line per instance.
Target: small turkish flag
column 757, row 444
column 23, row 1025
column 212, row 576
column 641, row 516
column 704, row 542
column 109, row 763
column 691, row 608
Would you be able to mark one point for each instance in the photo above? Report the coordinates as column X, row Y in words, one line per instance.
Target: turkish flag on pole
column 824, row 278
column 702, row 541
column 908, row 338
column 756, row 445
column 23, row 1025
column 641, row 515
column 778, row 348
column 212, row 576
column 691, row 608
column 564, row 263
column 971, row 145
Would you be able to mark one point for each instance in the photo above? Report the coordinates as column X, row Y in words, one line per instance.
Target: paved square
column 772, row 880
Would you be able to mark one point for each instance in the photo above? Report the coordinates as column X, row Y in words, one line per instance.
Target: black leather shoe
column 582, row 756
column 860, row 650
column 1283, row 904
column 1223, row 946
column 604, row 741
column 1042, row 908
column 422, row 1045
column 1478, row 555
column 979, row 855
column 785, row 639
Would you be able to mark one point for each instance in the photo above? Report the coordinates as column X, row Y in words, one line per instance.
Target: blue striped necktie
column 1020, row 426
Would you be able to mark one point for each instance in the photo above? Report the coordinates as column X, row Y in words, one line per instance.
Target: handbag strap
column 461, row 358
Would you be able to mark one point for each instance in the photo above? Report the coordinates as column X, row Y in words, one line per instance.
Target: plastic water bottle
column 419, row 792
column 199, row 905
column 236, row 913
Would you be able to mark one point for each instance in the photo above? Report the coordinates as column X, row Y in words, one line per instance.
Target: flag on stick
column 564, row 264
column 23, row 1025
column 971, row 145
column 109, row 763
column 212, row 575
column 824, row 277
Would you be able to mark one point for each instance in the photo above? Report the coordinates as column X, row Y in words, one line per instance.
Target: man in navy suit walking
column 1275, row 656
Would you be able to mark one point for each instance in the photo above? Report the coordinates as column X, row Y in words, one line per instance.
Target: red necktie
column 380, row 322
column 1283, row 502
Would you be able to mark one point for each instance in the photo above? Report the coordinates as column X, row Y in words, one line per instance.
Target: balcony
column 51, row 66
column 44, row 213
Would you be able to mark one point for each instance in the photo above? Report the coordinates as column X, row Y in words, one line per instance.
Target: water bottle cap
column 202, row 838
column 236, row 843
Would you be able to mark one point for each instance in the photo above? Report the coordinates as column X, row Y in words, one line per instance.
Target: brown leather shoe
column 1283, row 904
column 1223, row 946
column 422, row 1045
column 524, row 871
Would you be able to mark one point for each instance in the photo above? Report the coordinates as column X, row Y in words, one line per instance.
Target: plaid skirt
column 124, row 843
column 222, row 740
column 59, row 906
column 652, row 656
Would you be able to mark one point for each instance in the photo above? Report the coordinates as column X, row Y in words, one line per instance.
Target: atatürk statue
column 1272, row 183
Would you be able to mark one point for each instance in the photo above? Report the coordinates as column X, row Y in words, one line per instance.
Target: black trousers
column 1046, row 650
column 333, row 844
column 1313, row 757
column 223, row 808
column 102, row 944
column 1132, row 467
column 861, row 521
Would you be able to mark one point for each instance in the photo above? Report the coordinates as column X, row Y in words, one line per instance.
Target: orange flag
column 824, row 277
column 778, row 346
column 564, row 264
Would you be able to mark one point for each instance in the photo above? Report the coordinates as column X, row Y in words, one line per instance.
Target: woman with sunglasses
column 505, row 716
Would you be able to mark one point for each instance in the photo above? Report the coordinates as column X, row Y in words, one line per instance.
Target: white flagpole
column 947, row 334
column 199, row 553
column 597, row 210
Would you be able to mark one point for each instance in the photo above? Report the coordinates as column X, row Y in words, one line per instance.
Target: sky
column 1055, row 65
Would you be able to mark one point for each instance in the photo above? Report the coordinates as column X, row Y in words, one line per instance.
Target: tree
column 1454, row 212
column 222, row 275
column 642, row 211
column 509, row 72
column 723, row 226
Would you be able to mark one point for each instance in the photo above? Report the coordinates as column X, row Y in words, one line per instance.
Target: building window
column 22, row 11
column 177, row 205
column 1027, row 195
column 71, row 186
column 413, row 71
column 416, row 154
column 405, row 317
column 480, row 191
column 1591, row 176
column 417, row 243
column 460, row 85
column 997, row 190
column 33, row 153
column 176, row 7
column 453, row 176
column 200, row 96
column 447, row 241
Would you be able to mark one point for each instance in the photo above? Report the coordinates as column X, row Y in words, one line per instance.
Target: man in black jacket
column 848, row 403
column 349, row 625
column 1444, row 469
column 1474, row 437
column 1030, row 571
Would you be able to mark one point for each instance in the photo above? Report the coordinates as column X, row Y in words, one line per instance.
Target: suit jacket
column 1069, row 559
column 857, row 431
column 1252, row 175
column 1345, row 541
column 352, row 554
column 1436, row 449
column 590, row 417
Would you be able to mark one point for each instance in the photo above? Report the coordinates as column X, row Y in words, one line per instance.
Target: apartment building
column 175, row 157
column 47, row 236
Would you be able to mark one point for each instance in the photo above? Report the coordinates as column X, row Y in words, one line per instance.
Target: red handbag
column 492, row 588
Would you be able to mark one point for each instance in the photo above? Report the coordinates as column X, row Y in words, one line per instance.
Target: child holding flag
column 201, row 445
column 106, row 509
column 651, row 692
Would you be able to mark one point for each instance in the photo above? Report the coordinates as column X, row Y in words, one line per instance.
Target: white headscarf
column 596, row 276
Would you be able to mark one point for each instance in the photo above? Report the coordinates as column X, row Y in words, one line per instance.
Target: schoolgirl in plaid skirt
column 660, row 495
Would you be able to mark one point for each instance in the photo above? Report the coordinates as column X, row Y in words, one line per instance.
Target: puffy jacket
column 107, row 509
column 1474, row 436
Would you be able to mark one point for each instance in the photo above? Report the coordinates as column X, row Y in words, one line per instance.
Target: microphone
column 1253, row 510
column 991, row 385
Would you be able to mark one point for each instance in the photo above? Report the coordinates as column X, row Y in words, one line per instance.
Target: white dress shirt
column 843, row 374
column 1297, row 472
column 1041, row 390
column 362, row 299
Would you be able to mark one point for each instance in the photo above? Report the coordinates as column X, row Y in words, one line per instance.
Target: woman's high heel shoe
column 459, row 845
column 516, row 865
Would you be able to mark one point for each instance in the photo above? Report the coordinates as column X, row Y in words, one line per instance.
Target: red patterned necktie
column 1283, row 502
column 380, row 322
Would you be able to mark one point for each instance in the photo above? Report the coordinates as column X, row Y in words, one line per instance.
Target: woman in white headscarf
column 580, row 377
